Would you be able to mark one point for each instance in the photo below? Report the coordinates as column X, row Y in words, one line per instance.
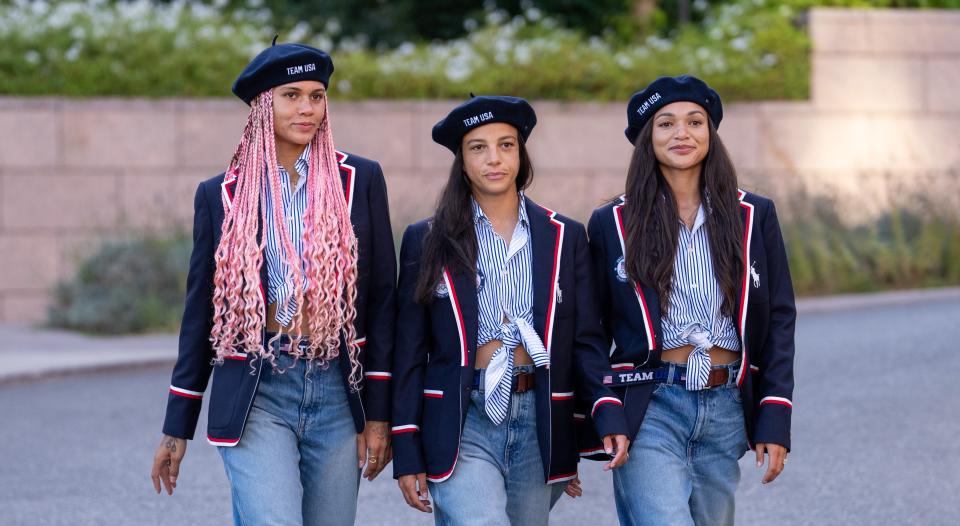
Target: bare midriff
column 274, row 326
column 718, row 355
column 485, row 352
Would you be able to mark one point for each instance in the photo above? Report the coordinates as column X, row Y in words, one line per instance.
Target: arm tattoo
column 171, row 444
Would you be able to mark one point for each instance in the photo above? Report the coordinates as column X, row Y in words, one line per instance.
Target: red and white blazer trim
column 186, row 393
column 604, row 400
column 562, row 396
column 433, row 393
column 579, row 417
column 378, row 375
column 745, row 286
column 647, row 320
column 409, row 428
column 351, row 177
column 776, row 400
column 458, row 316
column 562, row 478
column 223, row 442
column 555, row 293
column 621, row 366
column 236, row 356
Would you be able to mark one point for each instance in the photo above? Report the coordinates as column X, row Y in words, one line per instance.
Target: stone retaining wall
column 879, row 128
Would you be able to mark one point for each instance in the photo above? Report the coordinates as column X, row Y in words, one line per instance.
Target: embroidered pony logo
column 754, row 275
column 442, row 291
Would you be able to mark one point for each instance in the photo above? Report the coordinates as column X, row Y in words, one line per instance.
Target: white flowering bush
column 748, row 49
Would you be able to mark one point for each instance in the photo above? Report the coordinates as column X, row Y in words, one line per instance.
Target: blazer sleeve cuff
column 773, row 421
column 182, row 415
column 608, row 417
column 376, row 395
column 407, row 451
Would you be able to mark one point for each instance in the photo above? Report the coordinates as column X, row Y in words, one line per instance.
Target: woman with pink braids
column 290, row 306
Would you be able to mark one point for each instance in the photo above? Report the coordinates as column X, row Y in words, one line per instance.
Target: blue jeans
column 296, row 463
column 498, row 479
column 683, row 463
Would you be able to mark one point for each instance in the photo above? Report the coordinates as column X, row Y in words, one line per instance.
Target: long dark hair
column 452, row 240
column 651, row 219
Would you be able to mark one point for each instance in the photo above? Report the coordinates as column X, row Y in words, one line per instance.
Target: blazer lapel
column 462, row 297
column 743, row 296
column 546, row 242
column 348, row 176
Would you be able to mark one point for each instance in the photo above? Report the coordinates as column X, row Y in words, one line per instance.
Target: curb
column 811, row 305
column 875, row 299
column 85, row 370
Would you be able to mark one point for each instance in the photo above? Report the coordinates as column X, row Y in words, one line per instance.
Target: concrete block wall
column 880, row 125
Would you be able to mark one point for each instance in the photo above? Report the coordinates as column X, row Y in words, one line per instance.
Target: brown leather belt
column 524, row 382
column 718, row 377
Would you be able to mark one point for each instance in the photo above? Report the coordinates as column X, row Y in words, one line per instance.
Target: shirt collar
column 698, row 221
column 302, row 166
column 478, row 214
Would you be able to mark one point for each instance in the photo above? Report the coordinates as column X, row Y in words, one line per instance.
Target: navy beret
column 479, row 111
column 282, row 64
column 665, row 90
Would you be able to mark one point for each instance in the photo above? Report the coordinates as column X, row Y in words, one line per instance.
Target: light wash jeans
column 296, row 463
column 683, row 463
column 498, row 479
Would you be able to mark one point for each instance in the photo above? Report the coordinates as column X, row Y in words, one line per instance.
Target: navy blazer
column 235, row 381
column 765, row 316
column 437, row 343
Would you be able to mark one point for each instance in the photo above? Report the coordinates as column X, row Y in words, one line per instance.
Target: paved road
column 875, row 435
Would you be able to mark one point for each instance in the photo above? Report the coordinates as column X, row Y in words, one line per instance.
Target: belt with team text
column 669, row 373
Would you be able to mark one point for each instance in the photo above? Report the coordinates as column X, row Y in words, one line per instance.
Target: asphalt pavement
column 875, row 430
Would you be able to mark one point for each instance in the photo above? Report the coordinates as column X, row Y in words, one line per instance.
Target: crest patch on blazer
column 621, row 269
column 442, row 291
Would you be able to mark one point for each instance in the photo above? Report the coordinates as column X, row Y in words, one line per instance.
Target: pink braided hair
column 329, row 267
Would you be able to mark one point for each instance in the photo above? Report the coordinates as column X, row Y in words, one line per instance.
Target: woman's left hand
column 778, row 460
column 373, row 448
column 574, row 489
column 616, row 446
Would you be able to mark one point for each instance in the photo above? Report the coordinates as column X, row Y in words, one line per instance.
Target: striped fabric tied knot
column 698, row 363
column 498, row 378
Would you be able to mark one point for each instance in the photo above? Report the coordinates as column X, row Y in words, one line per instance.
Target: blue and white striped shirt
column 694, row 316
column 294, row 207
column 505, row 301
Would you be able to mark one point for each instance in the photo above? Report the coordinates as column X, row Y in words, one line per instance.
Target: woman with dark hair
column 697, row 301
column 290, row 305
column 496, row 330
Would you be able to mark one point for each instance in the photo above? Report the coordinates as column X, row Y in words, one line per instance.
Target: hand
column 414, row 489
column 166, row 463
column 373, row 448
column 616, row 446
column 573, row 488
column 778, row 459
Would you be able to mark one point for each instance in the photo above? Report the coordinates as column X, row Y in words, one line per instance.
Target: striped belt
column 670, row 374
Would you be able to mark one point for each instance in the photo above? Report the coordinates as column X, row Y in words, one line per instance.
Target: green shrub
column 138, row 284
column 901, row 249
column 748, row 50
column 127, row 286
